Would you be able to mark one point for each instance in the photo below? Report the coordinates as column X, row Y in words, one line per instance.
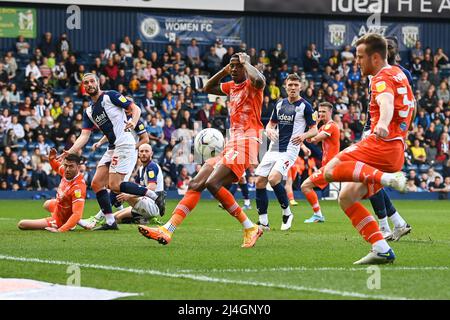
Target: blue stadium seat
column 423, row 168
column 412, row 167
column 438, row 167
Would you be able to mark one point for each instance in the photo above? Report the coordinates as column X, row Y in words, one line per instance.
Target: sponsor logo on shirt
column 101, row 119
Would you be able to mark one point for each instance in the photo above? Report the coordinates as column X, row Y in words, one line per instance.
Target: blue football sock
column 103, row 201
column 262, row 201
column 244, row 188
column 281, row 194
column 378, row 205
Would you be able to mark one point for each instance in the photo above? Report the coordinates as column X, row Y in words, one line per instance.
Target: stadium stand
column 41, row 102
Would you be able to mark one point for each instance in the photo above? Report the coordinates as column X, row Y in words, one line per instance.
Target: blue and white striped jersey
column 292, row 119
column 151, row 173
column 108, row 114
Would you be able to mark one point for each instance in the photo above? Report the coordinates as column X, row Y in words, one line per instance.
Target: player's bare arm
column 271, row 131
column 97, row 145
column 257, row 78
column 81, row 141
column 386, row 103
column 143, row 138
column 212, row 86
column 318, row 138
column 312, row 132
column 135, row 115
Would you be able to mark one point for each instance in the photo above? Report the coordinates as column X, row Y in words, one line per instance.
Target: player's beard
column 93, row 93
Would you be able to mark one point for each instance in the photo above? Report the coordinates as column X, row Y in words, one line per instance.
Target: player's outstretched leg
column 262, row 203
column 221, row 176
column 365, row 223
column 311, row 196
column 401, row 227
column 379, row 207
column 163, row 234
column 292, row 173
column 357, row 171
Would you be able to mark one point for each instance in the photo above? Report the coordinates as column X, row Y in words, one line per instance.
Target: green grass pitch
column 205, row 261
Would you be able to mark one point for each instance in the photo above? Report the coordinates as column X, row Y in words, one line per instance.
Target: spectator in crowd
column 63, row 45
column 193, row 54
column 22, row 47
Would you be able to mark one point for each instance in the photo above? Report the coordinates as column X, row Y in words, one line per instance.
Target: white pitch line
column 291, row 269
column 203, row 278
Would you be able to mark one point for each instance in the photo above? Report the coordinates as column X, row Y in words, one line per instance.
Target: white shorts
column 146, row 207
column 121, row 160
column 274, row 160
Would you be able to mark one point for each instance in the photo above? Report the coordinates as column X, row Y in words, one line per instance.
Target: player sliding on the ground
column 329, row 135
column 377, row 160
column 286, row 129
column 245, row 92
column 107, row 112
column 381, row 204
column 149, row 175
column 67, row 209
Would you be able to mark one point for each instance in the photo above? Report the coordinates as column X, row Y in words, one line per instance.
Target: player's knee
column 274, row 179
column 96, row 186
column 328, row 173
column 212, row 186
column 46, row 205
column 261, row 182
column 196, row 185
column 306, row 186
column 114, row 186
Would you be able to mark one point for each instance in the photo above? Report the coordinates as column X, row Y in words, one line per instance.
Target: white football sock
column 264, row 219
column 381, row 246
column 110, row 218
column 318, row 213
column 384, row 224
column 287, row 211
column 248, row 224
column 397, row 220
column 99, row 215
column 386, row 178
column 246, row 202
column 151, row 194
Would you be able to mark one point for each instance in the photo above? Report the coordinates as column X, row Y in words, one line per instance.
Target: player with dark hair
column 116, row 117
column 381, row 204
column 245, row 92
column 375, row 161
column 292, row 122
column 329, row 135
column 67, row 209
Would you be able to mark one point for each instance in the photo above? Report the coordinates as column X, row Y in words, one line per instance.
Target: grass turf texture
column 204, row 258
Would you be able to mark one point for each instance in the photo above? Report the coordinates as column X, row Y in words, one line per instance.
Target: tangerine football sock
column 184, row 207
column 364, row 222
column 290, row 196
column 229, row 203
column 356, row 171
column 313, row 200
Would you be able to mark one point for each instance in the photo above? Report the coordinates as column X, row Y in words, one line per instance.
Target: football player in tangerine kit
column 245, row 92
column 67, row 209
column 329, row 134
column 377, row 160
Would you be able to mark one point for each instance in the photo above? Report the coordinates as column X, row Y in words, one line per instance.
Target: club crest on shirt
column 77, row 193
column 380, row 86
column 122, row 99
column 151, row 174
column 327, row 126
column 315, row 117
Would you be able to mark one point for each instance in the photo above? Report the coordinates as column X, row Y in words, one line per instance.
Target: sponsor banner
column 165, row 28
column 338, row 34
column 17, row 21
column 229, row 5
column 388, row 8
